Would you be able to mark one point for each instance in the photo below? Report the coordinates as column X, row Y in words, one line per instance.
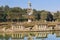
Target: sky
column 49, row 5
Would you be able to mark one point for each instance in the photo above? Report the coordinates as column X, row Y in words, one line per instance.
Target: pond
column 51, row 35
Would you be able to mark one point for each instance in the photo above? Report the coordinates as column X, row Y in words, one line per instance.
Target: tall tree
column 49, row 17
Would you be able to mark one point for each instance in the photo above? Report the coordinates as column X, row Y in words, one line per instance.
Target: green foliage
column 49, row 17
column 15, row 14
column 44, row 14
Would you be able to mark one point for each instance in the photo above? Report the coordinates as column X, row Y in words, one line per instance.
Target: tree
column 43, row 14
column 56, row 15
column 37, row 16
column 49, row 17
column 1, row 8
column 6, row 8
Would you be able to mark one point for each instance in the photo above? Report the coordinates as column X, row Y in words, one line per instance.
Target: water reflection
column 30, row 35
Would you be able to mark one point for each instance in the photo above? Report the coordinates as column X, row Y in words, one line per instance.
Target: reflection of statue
column 30, row 38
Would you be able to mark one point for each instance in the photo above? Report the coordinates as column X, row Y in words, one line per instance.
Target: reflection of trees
column 57, row 33
column 38, row 35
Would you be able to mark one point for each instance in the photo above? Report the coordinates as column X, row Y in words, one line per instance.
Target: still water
column 52, row 35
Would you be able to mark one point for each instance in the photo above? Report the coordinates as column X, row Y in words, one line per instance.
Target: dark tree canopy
column 38, row 16
column 49, row 17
